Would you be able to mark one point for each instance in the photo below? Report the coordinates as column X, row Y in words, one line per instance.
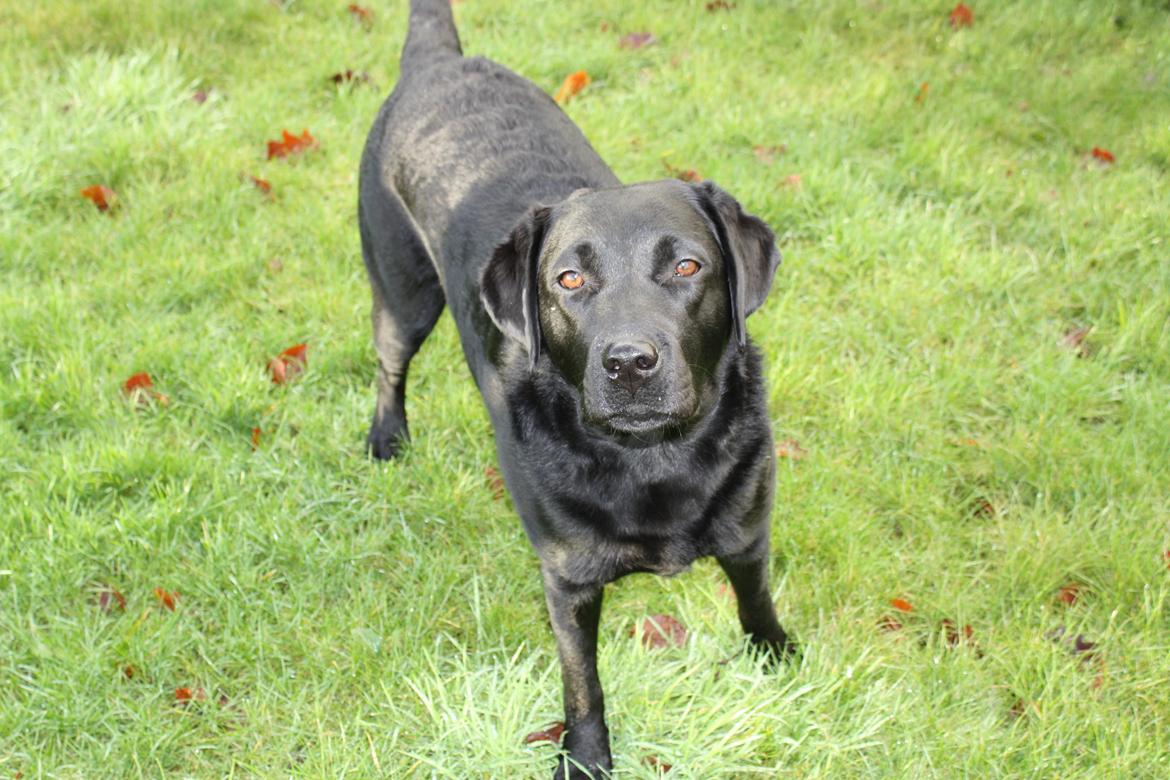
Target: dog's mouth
column 643, row 425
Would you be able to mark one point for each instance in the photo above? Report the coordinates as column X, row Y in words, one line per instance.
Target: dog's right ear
column 508, row 287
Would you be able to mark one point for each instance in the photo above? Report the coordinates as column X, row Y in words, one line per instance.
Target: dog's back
column 469, row 146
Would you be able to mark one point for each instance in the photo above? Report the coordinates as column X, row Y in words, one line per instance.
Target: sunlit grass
column 386, row 620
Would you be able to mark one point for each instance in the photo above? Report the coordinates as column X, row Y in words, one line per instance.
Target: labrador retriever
column 604, row 326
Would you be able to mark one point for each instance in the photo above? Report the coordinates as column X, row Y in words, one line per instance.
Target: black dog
column 604, row 325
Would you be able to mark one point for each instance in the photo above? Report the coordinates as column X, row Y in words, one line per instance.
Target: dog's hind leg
column 408, row 300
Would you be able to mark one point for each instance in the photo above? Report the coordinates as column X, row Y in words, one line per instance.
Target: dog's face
column 635, row 293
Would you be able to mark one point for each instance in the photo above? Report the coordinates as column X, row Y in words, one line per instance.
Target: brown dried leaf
column 551, row 733
column 791, row 449
column 661, row 631
column 495, row 482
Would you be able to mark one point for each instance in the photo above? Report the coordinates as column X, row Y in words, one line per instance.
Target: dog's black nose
column 630, row 363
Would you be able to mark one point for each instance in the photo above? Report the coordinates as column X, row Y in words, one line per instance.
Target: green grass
column 386, row 620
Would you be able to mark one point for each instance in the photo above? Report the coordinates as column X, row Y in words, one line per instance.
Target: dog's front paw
column 775, row 650
column 588, row 756
column 384, row 443
column 571, row 769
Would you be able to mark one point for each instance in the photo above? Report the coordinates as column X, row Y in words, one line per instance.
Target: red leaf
column 1103, row 155
column 962, row 16
column 1070, row 593
column 495, row 482
column 1166, row 558
column 167, row 598
column 661, row 631
column 100, row 195
column 791, row 449
column 362, row 15
column 902, row 605
column 256, row 433
column 655, row 763
column 953, row 635
column 685, row 174
column 637, row 40
column 200, row 96
column 574, row 83
column 286, row 366
column 263, row 185
column 110, row 599
column 190, row 694
column 923, row 89
column 140, row 389
column 983, row 508
column 549, row 734
column 719, row 5
column 128, row 672
column 291, row 144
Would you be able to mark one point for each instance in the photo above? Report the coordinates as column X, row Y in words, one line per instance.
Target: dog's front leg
column 574, row 611
column 757, row 613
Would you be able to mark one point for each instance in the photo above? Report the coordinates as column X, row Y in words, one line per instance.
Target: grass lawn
column 956, row 439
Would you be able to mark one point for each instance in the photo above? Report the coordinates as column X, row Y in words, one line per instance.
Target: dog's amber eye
column 570, row 280
column 686, row 267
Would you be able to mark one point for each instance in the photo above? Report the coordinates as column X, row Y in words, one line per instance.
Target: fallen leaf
column 550, row 733
column 1074, row 340
column 605, row 26
column 128, row 672
column 1166, row 558
column 962, row 16
column 495, row 482
column 362, row 15
column 982, row 507
column 200, row 96
column 656, row 763
column 902, row 605
column 923, row 89
column 637, row 40
column 573, row 84
column 256, row 433
column 263, row 185
column 719, row 5
column 791, row 449
column 1103, row 155
column 1018, row 709
column 167, row 598
column 222, row 700
column 139, row 388
column 792, row 180
column 110, row 599
column 291, row 144
column 661, row 631
column 186, row 695
column 347, row 76
column 953, row 635
column 1082, row 645
column 683, row 174
column 889, row 623
column 725, row 590
column 289, row 364
column 1070, row 593
column 100, row 195
column 768, row 154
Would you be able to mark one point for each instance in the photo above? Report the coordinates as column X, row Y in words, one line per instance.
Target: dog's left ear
column 509, row 282
column 749, row 253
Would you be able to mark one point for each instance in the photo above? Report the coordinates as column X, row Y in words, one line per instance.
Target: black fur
column 629, row 410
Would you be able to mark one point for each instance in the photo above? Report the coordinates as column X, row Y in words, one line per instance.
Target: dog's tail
column 431, row 35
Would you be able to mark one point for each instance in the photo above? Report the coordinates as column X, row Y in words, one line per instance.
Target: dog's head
column 636, row 293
